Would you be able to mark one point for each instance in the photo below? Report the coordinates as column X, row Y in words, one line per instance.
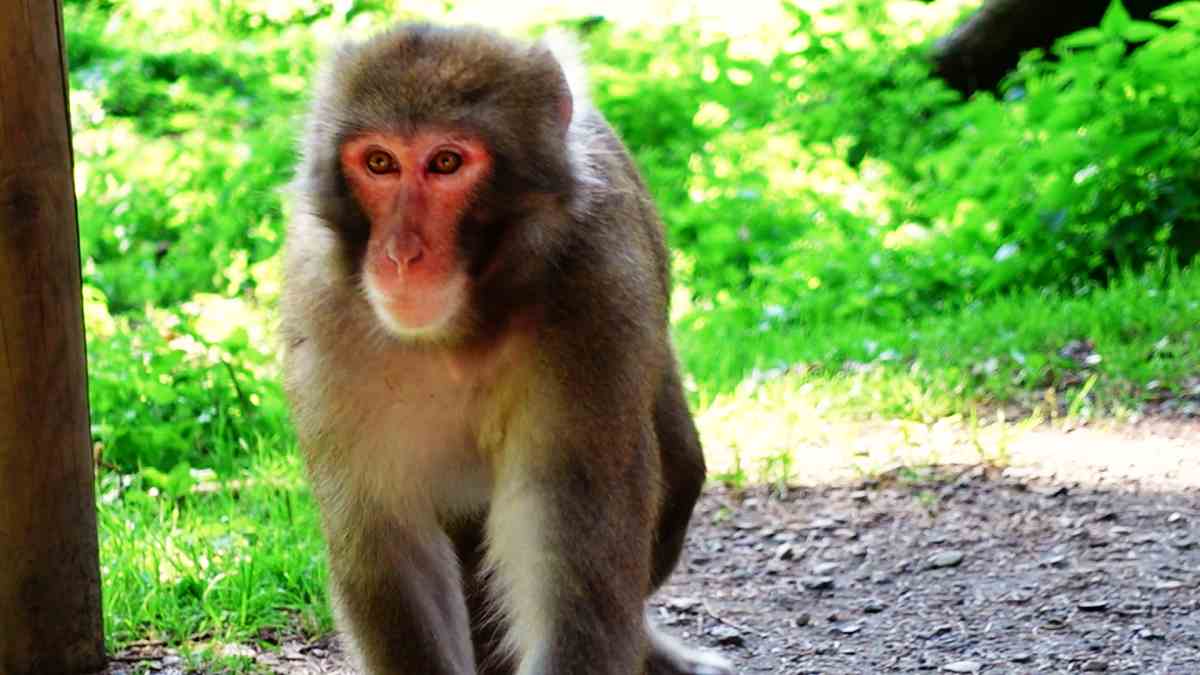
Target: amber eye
column 379, row 162
column 445, row 162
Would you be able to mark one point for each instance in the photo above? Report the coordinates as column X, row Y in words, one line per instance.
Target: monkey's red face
column 415, row 191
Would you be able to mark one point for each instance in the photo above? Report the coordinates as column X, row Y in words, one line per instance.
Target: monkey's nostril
column 405, row 248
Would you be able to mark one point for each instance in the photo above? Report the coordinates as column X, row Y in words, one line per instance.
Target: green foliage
column 880, row 195
column 186, row 388
column 1100, row 151
column 182, row 150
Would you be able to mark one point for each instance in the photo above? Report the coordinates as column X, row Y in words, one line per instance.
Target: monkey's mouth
column 410, row 293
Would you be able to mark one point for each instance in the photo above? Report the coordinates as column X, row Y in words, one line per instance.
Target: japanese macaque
column 479, row 365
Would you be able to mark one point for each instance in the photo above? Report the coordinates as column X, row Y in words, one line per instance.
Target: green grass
column 1145, row 330
column 220, row 560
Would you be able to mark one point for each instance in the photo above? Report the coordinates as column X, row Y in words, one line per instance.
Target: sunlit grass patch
column 1136, row 342
column 860, row 398
column 220, row 559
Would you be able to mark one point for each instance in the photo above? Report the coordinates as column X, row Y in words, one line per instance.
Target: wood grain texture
column 49, row 572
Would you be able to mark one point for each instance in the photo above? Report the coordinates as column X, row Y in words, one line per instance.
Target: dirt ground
column 1082, row 555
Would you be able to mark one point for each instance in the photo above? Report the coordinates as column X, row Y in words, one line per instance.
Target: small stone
column 1095, row 666
column 941, row 629
column 845, row 533
column 963, row 667
column 1018, row 598
column 1022, row 657
column 1053, row 561
column 823, row 569
column 683, row 604
column 1175, row 517
column 817, row 583
column 727, row 635
column 777, row 567
column 946, row 559
column 848, row 628
column 785, row 552
column 1093, row 605
column 1052, row 491
column 873, row 606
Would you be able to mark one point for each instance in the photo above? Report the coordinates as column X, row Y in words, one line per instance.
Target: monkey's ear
column 566, row 108
column 568, row 54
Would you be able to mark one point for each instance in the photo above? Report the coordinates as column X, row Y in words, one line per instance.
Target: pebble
column 683, row 604
column 1022, row 657
column 873, row 606
column 946, row 559
column 785, row 552
column 823, row 569
column 727, row 635
column 1053, row 561
column 817, row 583
column 963, row 667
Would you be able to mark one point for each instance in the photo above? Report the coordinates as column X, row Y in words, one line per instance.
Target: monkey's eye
column 379, row 162
column 445, row 162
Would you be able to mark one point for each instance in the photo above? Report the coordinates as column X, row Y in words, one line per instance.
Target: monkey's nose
column 405, row 248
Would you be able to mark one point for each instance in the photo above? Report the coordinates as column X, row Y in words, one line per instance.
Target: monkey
column 479, row 365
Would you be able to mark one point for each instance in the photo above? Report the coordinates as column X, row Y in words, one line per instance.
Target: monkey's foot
column 668, row 656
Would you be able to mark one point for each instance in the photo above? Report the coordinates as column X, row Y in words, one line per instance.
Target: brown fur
column 505, row 498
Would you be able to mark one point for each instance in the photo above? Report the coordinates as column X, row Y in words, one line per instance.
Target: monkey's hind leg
column 682, row 471
column 681, row 462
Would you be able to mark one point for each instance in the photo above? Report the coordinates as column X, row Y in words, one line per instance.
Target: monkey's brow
column 448, row 132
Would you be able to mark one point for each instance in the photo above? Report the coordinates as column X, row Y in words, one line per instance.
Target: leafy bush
column 1088, row 165
column 190, row 387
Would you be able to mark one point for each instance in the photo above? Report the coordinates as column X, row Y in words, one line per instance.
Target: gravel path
column 1082, row 556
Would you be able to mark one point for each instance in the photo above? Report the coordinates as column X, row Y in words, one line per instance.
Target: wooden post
column 49, row 568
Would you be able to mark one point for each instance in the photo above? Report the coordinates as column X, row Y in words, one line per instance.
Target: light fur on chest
column 418, row 431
